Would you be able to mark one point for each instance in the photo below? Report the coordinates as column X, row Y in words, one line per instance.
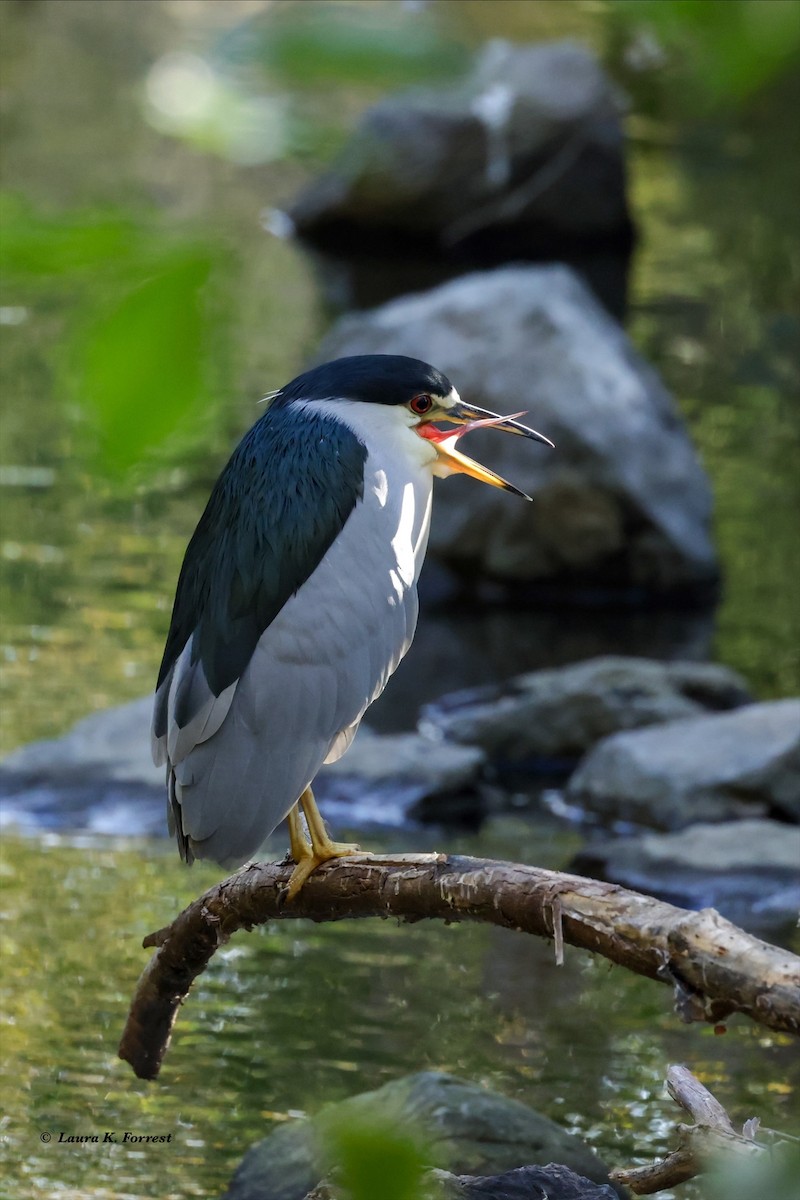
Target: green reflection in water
column 295, row 1015
column 715, row 308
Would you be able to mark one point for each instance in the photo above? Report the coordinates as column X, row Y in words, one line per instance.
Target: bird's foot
column 308, row 862
column 310, row 855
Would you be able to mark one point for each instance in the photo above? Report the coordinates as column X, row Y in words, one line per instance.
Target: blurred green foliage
column 387, row 46
column 35, row 246
column 725, row 49
column 375, row 1157
column 253, row 96
column 774, row 1177
column 138, row 330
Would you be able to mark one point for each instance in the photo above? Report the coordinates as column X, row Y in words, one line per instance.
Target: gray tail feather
column 174, row 819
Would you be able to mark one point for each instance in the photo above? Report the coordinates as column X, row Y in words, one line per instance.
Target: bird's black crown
column 373, row 378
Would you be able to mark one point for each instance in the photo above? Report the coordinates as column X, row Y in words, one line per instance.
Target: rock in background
column 562, row 713
column 622, row 504
column 749, row 870
column 522, row 160
column 387, row 779
column 714, row 768
column 98, row 777
column 527, row 152
column 686, row 767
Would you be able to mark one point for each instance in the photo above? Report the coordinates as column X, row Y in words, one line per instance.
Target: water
column 294, row 1015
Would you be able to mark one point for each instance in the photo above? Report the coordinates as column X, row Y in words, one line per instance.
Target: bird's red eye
column 421, row 404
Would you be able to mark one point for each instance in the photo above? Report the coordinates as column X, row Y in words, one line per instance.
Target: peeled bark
column 715, row 968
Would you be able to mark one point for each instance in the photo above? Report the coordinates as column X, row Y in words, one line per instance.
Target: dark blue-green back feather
column 280, row 502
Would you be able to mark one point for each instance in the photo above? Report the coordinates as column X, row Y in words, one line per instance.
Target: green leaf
column 375, row 1156
column 732, row 47
column 35, row 245
column 140, row 367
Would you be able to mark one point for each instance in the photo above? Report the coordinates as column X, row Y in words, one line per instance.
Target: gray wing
column 246, row 756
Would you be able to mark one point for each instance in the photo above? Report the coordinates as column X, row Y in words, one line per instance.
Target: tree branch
column 715, row 968
column 710, row 1138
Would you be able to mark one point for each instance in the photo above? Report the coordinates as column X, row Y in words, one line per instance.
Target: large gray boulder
column 621, row 502
column 468, row 1129
column 563, row 712
column 526, row 151
column 709, row 768
column 748, row 870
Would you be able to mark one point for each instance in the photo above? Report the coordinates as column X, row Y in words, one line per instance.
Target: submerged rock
column 520, row 157
column 468, row 1129
column 748, row 870
column 708, row 768
column 622, row 504
column 561, row 713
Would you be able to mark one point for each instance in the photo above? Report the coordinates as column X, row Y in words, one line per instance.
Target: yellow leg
column 299, row 845
column 310, row 856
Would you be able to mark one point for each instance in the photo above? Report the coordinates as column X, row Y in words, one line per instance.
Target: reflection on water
column 294, row 1015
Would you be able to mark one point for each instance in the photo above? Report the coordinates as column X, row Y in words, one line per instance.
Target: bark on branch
column 715, row 968
column 710, row 1138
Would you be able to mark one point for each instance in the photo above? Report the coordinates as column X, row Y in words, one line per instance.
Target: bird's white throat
column 398, row 477
column 387, row 431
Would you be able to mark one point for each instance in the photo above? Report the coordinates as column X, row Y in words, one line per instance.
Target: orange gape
column 432, row 434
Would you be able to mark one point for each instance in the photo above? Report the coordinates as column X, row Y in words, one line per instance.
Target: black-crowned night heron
column 297, row 598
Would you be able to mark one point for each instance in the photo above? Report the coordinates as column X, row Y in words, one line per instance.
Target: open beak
column 467, row 417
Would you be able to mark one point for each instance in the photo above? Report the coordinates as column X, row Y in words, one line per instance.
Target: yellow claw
column 310, row 855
